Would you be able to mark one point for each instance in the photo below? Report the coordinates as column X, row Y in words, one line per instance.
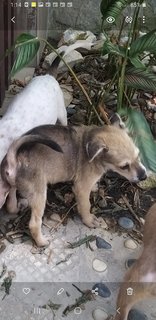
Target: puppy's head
column 113, row 149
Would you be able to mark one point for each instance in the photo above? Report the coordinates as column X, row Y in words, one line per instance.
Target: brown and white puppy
column 88, row 153
column 142, row 275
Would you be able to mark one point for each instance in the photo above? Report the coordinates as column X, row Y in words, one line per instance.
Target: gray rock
column 83, row 15
column 103, row 291
column 102, row 244
column 135, row 314
column 130, row 262
column 126, row 223
column 99, row 314
column 99, row 265
column 71, row 111
column 102, row 203
column 130, row 244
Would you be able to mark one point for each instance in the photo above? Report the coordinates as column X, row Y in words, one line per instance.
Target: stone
column 135, row 314
column 103, row 291
column 102, row 244
column 130, row 244
column 71, row 36
column 126, row 223
column 129, row 263
column 102, row 203
column 68, row 96
column 99, row 314
column 71, row 110
column 99, row 265
column 149, row 183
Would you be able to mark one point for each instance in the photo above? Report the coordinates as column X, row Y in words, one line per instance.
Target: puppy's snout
column 142, row 175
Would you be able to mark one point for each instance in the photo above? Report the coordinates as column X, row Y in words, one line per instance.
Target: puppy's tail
column 26, row 142
column 53, row 68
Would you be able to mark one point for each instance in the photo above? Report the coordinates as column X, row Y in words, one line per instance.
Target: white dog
column 40, row 102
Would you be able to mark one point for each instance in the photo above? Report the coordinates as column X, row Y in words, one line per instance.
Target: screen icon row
column 48, row 4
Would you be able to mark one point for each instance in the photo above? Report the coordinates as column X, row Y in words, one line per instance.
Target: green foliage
column 114, row 8
column 137, row 78
column 131, row 72
column 145, row 43
column 142, row 136
column 27, row 47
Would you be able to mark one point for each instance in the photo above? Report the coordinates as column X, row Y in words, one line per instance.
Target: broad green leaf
column 141, row 134
column 144, row 43
column 113, row 8
column 137, row 63
column 140, row 79
column 27, row 47
column 109, row 47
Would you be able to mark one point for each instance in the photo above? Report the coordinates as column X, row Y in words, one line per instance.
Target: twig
column 81, row 241
column 75, row 77
column 131, row 209
column 49, row 256
column 65, row 216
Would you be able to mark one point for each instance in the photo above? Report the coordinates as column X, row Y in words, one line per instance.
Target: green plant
column 26, row 47
column 130, row 73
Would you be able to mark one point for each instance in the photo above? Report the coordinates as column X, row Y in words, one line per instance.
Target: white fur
column 149, row 277
column 40, row 102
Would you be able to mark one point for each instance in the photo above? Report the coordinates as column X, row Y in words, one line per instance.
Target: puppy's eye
column 125, row 167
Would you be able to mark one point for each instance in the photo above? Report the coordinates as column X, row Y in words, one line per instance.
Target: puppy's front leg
column 37, row 204
column 82, row 189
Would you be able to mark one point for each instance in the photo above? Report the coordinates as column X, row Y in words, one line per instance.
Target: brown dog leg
column 141, row 290
column 82, row 193
column 37, row 204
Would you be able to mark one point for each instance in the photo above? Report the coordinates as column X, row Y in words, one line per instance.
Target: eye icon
column 110, row 19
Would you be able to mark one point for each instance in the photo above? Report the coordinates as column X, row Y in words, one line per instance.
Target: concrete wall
column 83, row 15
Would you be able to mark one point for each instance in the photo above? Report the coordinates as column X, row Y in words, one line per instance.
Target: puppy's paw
column 42, row 241
column 92, row 221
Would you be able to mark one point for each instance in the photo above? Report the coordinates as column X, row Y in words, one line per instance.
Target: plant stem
column 75, row 77
column 121, row 81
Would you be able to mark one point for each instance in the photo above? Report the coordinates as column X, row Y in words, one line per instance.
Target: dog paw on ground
column 92, row 221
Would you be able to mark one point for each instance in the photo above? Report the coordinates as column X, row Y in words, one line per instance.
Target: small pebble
column 99, row 314
column 99, row 265
column 135, row 314
column 71, row 111
column 103, row 291
column 102, row 203
column 102, row 244
column 129, row 263
column 130, row 244
column 126, row 223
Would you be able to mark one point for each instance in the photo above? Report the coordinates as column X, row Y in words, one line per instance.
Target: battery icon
column 33, row 4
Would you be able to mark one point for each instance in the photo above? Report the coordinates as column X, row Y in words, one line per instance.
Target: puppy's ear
column 117, row 121
column 94, row 148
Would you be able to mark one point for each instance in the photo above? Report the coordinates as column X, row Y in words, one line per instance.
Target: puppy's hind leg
column 37, row 204
column 11, row 202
